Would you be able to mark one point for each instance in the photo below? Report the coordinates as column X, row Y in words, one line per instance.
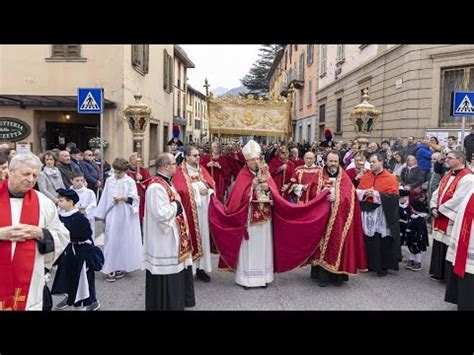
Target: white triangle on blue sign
column 465, row 105
column 90, row 103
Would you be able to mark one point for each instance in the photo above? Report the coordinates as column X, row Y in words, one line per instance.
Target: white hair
column 25, row 159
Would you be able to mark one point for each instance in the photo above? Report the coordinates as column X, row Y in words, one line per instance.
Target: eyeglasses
column 196, row 155
column 172, row 163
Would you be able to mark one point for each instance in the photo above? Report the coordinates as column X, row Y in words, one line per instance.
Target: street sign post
column 462, row 106
column 91, row 101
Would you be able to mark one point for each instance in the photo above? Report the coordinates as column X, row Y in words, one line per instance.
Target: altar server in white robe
column 167, row 244
column 118, row 206
column 87, row 199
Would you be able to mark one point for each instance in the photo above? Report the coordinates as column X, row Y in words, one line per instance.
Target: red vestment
column 183, row 184
column 221, row 176
column 308, row 177
column 16, row 273
column 342, row 248
column 297, row 229
column 141, row 187
column 281, row 177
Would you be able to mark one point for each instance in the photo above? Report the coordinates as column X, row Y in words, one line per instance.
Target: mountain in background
column 219, row 91
column 237, row 91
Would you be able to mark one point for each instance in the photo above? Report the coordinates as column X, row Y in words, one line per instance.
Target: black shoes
column 201, row 275
column 382, row 272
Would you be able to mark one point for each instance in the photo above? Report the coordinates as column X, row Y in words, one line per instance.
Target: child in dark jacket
column 417, row 234
column 75, row 275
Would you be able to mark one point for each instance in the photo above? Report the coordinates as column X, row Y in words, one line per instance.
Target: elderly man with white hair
column 31, row 236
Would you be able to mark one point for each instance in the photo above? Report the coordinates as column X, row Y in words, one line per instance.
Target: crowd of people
column 341, row 207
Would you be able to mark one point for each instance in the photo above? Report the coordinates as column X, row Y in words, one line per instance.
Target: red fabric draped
column 15, row 275
column 141, row 187
column 221, row 176
column 297, row 229
column 182, row 183
column 464, row 238
column 298, row 162
column 342, row 249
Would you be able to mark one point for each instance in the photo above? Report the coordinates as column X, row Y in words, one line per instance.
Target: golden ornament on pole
column 364, row 116
column 137, row 116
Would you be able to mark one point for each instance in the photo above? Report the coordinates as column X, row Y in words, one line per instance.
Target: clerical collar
column 332, row 174
column 16, row 194
column 455, row 172
column 310, row 167
column 166, row 178
column 192, row 168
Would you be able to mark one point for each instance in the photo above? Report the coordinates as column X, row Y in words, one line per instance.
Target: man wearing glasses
column 195, row 186
column 445, row 202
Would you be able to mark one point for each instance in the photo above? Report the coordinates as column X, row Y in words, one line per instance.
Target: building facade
column 181, row 65
column 197, row 116
column 38, row 86
column 296, row 65
column 411, row 85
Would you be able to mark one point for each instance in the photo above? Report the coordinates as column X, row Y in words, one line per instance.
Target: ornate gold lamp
column 364, row 117
column 137, row 116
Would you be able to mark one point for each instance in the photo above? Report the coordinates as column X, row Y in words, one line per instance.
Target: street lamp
column 364, row 117
column 137, row 116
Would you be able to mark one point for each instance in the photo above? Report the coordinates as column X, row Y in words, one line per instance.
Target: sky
column 223, row 65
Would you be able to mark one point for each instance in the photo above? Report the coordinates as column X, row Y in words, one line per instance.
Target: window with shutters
column 301, row 96
column 340, row 55
column 66, row 52
column 339, row 115
column 322, row 113
column 310, row 93
column 154, row 145
column 309, row 54
column 167, row 72
column 323, row 67
column 140, row 57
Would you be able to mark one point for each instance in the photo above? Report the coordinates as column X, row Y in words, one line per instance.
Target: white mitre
column 251, row 150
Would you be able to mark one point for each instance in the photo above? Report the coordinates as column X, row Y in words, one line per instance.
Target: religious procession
column 253, row 210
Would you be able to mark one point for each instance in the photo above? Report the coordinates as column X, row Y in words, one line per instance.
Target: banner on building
column 250, row 117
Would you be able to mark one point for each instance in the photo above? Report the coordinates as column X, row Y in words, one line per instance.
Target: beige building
column 197, row 116
column 181, row 65
column 38, row 86
column 411, row 85
column 297, row 65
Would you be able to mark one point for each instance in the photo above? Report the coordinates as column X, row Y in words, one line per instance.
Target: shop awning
column 24, row 101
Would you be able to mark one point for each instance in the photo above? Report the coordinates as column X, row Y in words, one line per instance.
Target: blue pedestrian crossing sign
column 89, row 100
column 463, row 103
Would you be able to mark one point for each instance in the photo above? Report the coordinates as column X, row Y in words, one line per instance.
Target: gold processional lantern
column 137, row 117
column 364, row 116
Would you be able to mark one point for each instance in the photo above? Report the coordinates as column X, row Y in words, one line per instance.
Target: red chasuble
column 221, row 176
column 342, row 248
column 297, row 229
column 298, row 162
column 283, row 177
column 141, row 187
column 305, row 176
column 15, row 275
column 183, row 184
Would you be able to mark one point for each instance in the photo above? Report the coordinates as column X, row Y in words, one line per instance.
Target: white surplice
column 87, row 200
column 450, row 208
column 202, row 206
column 161, row 235
column 123, row 246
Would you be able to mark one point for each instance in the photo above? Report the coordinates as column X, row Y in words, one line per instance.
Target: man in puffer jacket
column 423, row 158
